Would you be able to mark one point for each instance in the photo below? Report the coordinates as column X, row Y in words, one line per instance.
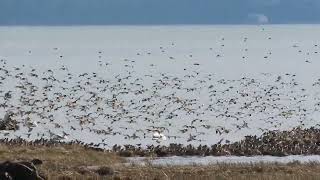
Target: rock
column 105, row 171
column 7, row 123
column 19, row 170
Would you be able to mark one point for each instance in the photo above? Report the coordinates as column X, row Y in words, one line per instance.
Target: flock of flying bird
column 189, row 107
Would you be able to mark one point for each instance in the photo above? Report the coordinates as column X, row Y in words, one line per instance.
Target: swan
column 159, row 136
column 156, row 135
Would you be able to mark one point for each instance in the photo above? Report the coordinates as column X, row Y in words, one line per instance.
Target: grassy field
column 75, row 162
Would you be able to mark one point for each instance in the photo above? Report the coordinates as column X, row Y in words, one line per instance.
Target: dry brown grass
column 65, row 160
column 226, row 171
column 76, row 162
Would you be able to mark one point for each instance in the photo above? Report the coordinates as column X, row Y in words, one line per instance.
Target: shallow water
column 210, row 160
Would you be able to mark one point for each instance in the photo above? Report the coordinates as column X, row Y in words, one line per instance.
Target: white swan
column 159, row 136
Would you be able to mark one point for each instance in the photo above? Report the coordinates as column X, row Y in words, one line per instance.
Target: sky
column 162, row 12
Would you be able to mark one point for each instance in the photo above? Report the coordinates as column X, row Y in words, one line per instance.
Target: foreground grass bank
column 76, row 162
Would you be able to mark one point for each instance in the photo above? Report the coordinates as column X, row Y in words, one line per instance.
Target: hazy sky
column 99, row 12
